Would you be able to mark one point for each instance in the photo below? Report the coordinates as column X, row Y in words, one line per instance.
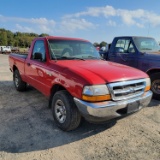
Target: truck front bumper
column 102, row 111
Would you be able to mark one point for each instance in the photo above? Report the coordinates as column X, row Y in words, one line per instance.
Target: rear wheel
column 155, row 85
column 18, row 82
column 65, row 112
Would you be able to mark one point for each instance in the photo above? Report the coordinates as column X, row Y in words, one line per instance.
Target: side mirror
column 38, row 56
column 119, row 50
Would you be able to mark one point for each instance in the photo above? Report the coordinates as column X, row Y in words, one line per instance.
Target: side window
column 124, row 46
column 131, row 48
column 39, row 47
column 119, row 47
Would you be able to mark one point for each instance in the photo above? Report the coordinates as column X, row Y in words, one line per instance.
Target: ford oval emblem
column 131, row 90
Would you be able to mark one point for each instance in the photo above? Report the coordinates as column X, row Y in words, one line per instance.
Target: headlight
column 96, row 93
column 148, row 84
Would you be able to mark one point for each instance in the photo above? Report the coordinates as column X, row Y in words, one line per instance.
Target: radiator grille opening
column 127, row 89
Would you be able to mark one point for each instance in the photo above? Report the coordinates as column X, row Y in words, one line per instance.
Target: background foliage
column 17, row 39
column 23, row 40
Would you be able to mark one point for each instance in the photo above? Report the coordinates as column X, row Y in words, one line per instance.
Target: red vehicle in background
column 97, row 48
column 78, row 83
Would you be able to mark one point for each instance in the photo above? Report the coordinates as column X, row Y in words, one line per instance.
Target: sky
column 94, row 20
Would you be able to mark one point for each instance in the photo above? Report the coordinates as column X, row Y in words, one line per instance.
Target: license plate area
column 132, row 107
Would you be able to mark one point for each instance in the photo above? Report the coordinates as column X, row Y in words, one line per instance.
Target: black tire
column 20, row 85
column 155, row 85
column 65, row 112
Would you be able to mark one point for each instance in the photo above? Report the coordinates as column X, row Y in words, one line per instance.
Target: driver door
column 125, row 53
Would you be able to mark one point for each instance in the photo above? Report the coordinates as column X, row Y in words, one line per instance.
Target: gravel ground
column 28, row 132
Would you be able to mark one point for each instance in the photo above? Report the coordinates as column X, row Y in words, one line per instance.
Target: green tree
column 33, row 35
column 96, row 44
column 43, row 35
column 103, row 44
column 3, row 38
column 10, row 40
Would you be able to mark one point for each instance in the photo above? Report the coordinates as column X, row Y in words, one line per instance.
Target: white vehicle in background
column 5, row 49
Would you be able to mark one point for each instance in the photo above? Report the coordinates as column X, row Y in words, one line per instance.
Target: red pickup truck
column 78, row 83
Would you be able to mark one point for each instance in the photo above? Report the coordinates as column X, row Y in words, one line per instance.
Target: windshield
column 72, row 49
column 146, row 44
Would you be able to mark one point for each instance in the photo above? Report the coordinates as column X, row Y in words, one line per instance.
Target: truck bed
column 21, row 55
column 19, row 60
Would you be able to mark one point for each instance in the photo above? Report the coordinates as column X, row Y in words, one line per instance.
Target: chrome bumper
column 101, row 111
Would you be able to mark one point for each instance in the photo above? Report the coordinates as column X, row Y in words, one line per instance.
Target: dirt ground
column 28, row 132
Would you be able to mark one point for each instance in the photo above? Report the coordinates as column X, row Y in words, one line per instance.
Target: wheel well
column 54, row 89
column 153, row 71
column 15, row 68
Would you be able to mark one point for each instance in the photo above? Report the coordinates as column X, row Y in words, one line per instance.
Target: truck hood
column 100, row 72
column 153, row 55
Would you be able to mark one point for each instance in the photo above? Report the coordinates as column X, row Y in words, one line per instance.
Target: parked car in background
column 5, row 49
column 139, row 52
column 15, row 49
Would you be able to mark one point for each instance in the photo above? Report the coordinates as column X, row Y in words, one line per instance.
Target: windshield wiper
column 65, row 57
column 70, row 58
column 78, row 58
column 92, row 57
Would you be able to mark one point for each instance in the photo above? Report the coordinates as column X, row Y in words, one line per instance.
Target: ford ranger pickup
column 70, row 72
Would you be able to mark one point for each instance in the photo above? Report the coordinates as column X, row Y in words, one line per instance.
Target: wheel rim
column 156, row 86
column 16, row 80
column 60, row 111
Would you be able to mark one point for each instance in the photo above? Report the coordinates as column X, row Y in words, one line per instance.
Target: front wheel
column 18, row 82
column 65, row 112
column 155, row 85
